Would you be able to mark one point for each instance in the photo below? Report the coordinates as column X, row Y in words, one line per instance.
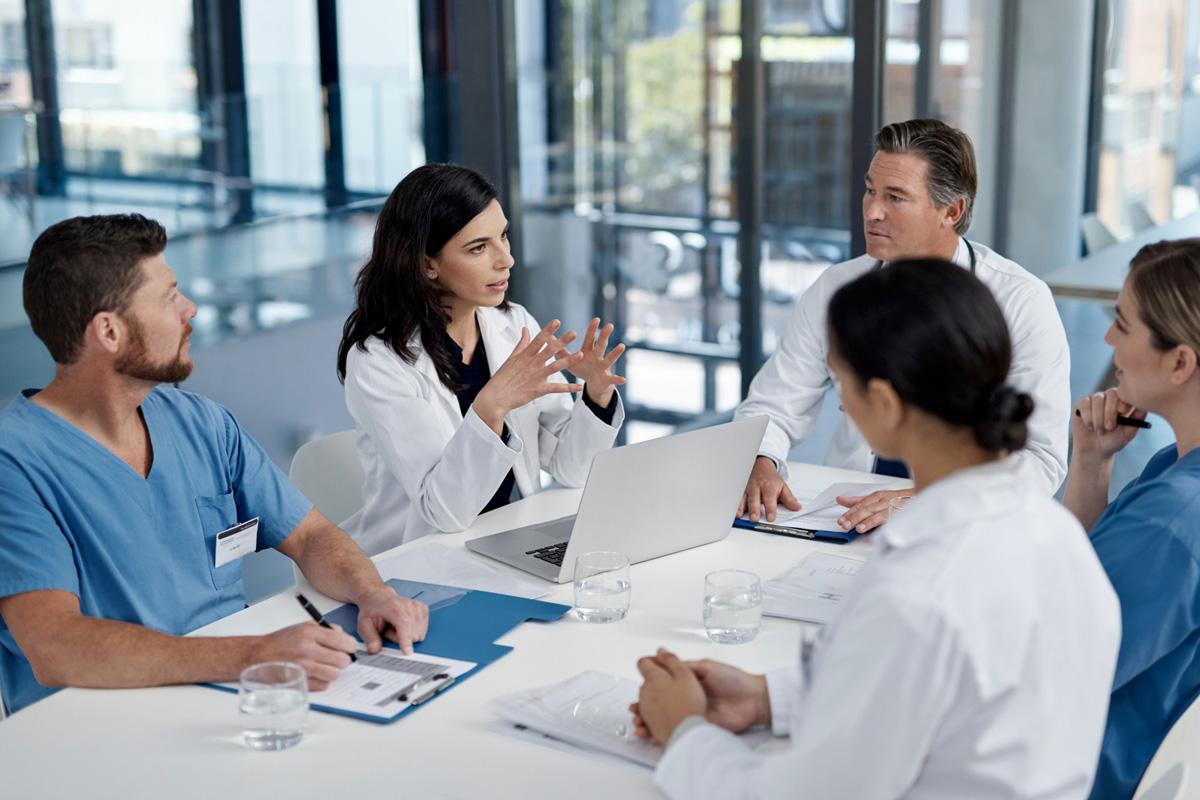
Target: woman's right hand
column 1094, row 427
column 525, row 376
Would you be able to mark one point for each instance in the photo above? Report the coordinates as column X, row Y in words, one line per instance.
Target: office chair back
column 1172, row 772
column 330, row 475
column 1096, row 235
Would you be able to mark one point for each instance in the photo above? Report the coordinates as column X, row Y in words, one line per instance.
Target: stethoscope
column 970, row 252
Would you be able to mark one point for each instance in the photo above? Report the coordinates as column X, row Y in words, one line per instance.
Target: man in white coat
column 920, row 194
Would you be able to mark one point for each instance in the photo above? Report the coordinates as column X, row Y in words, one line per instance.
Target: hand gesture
column 736, row 699
column 1094, row 426
column 594, row 368
column 401, row 620
column 764, row 492
column 524, row 376
column 867, row 511
column 323, row 652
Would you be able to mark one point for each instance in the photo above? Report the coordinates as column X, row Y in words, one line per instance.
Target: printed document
column 811, row 591
column 821, row 512
column 589, row 714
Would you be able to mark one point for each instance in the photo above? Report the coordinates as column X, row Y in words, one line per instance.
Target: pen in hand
column 317, row 618
column 1128, row 422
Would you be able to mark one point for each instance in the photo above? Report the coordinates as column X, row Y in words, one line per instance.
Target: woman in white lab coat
column 975, row 653
column 456, row 393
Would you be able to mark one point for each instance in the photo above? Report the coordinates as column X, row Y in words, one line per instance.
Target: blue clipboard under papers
column 463, row 627
column 840, row 537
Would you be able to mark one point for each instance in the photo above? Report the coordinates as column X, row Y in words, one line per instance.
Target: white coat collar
column 953, row 503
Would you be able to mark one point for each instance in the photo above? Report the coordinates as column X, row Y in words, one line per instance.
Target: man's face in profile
column 899, row 218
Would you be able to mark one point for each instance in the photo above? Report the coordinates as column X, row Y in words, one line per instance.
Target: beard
column 137, row 363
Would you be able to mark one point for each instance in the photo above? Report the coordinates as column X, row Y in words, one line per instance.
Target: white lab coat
column 427, row 467
column 791, row 385
column 973, row 659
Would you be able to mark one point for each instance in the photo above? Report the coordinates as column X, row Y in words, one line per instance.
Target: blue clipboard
column 464, row 624
column 838, row 537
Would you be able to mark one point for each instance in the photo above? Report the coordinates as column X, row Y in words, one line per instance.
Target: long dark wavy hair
column 395, row 299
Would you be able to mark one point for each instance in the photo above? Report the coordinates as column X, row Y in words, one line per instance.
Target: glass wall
column 127, row 87
column 15, row 90
column 1149, row 156
column 380, row 75
column 283, row 93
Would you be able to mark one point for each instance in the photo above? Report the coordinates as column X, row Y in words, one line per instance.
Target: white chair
column 1169, row 776
column 327, row 471
column 1096, row 235
column 1139, row 216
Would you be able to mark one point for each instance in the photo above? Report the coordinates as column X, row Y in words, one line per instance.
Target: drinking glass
column 273, row 705
column 602, row 588
column 732, row 606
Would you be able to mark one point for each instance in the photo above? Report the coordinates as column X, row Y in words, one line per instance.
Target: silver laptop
column 644, row 500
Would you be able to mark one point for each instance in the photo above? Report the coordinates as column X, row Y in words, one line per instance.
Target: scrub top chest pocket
column 218, row 514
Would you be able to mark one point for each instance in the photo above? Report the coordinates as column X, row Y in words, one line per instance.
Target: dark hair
column 936, row 334
column 949, row 158
column 80, row 267
column 395, row 298
column 1165, row 278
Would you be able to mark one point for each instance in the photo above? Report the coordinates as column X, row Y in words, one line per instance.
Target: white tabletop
column 185, row 741
column 1101, row 275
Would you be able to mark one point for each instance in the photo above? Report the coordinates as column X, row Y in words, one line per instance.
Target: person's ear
column 954, row 212
column 1183, row 364
column 106, row 331
column 430, row 268
column 885, row 403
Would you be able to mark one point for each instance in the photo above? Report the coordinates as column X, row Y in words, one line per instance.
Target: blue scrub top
column 1149, row 543
column 75, row 517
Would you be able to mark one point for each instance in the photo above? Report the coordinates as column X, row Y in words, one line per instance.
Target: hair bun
column 1002, row 425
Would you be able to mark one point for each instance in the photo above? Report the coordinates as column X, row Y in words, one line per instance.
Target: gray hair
column 949, row 158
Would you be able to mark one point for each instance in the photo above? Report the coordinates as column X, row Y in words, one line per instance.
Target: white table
column 185, row 742
column 1101, row 275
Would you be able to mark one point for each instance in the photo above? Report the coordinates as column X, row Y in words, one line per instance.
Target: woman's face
column 1143, row 371
column 474, row 265
column 863, row 407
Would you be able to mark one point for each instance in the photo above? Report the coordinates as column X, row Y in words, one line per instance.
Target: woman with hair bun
column 974, row 656
column 1148, row 538
column 457, row 396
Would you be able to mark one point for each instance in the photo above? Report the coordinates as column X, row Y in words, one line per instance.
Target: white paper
column 820, row 513
column 811, row 591
column 436, row 563
column 590, row 711
column 384, row 684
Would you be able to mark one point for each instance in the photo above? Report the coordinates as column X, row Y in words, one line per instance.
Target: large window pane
column 127, row 86
column 283, row 93
column 15, row 89
column 381, row 88
column 1149, row 161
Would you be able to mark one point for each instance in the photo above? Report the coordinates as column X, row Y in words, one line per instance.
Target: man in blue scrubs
column 124, row 504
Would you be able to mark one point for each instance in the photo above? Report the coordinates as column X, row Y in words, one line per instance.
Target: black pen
column 317, row 618
column 1128, row 422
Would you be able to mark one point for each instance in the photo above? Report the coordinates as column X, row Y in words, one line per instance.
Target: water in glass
column 273, row 719
column 600, row 598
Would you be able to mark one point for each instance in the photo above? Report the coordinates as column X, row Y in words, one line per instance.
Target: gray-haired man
column 920, row 194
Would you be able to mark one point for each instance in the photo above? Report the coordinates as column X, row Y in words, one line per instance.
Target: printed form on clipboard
column 819, row 512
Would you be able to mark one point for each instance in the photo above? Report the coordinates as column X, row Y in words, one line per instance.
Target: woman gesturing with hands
column 458, row 404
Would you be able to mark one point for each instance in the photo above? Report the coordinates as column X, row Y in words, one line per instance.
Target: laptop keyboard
column 552, row 553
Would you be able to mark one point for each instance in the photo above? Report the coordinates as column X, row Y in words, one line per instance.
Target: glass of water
column 602, row 587
column 732, row 606
column 273, row 705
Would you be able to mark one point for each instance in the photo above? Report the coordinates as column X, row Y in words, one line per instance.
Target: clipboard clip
column 423, row 690
column 803, row 533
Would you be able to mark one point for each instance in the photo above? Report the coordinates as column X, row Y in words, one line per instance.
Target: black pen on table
column 317, row 617
column 1128, row 422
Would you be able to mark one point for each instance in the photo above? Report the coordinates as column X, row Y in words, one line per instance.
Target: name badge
column 235, row 542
